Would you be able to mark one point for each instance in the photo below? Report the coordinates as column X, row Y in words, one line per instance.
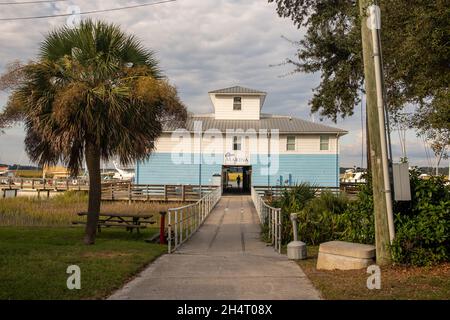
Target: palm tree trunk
column 95, row 191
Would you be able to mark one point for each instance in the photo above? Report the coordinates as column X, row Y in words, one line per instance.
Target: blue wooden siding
column 160, row 169
column 317, row 169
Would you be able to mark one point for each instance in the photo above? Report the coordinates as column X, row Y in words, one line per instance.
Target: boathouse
column 237, row 138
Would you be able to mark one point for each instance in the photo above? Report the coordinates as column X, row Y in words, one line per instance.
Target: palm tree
column 94, row 93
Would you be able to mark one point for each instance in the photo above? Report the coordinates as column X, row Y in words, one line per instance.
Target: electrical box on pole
column 402, row 186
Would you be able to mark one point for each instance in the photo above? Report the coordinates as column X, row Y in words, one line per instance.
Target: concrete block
column 296, row 250
column 345, row 256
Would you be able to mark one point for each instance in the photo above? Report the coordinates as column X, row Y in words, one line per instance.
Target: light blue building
column 263, row 149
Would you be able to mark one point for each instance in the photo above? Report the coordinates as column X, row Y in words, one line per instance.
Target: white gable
column 237, row 103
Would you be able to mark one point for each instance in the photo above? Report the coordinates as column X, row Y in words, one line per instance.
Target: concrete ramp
column 224, row 260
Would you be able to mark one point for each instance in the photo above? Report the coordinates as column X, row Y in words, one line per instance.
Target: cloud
column 201, row 45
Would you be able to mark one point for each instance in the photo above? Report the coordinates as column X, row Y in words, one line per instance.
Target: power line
column 30, row 2
column 87, row 12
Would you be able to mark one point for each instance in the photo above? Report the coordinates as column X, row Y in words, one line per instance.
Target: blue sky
column 202, row 45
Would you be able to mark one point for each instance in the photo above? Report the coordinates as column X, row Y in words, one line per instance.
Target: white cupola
column 237, row 103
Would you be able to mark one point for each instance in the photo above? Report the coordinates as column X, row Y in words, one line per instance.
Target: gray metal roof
column 237, row 90
column 283, row 123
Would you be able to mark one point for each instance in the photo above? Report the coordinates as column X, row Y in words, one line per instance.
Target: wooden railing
column 276, row 191
column 124, row 191
column 34, row 184
column 111, row 191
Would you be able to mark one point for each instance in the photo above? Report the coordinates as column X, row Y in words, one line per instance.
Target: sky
column 202, row 45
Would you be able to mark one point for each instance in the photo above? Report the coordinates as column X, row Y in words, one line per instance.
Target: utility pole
column 377, row 138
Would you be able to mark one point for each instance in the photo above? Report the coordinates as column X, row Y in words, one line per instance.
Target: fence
column 268, row 216
column 125, row 191
column 34, row 184
column 111, row 191
column 183, row 222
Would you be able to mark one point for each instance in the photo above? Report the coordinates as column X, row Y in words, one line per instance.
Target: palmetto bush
column 292, row 200
column 319, row 221
column 325, row 217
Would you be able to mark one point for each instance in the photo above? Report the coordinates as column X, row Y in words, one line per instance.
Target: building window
column 324, row 143
column 290, row 145
column 237, row 143
column 237, row 103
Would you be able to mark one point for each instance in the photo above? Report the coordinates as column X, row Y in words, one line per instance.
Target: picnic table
column 123, row 220
column 6, row 189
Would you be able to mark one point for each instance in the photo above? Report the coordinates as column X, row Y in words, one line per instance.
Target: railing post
column 176, row 228
column 275, row 213
column 183, row 193
column 199, row 215
column 129, row 193
column 273, row 225
column 188, row 222
column 279, row 230
column 169, row 227
column 148, row 195
column 162, row 227
column 166, row 196
column 181, row 226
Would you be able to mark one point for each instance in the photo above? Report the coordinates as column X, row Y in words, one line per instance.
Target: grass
column 397, row 282
column 62, row 209
column 34, row 260
column 38, row 243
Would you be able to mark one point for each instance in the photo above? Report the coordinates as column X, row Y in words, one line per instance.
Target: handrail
column 184, row 221
column 270, row 216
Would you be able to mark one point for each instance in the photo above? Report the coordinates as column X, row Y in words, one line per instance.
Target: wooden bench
column 345, row 256
column 45, row 190
column 5, row 190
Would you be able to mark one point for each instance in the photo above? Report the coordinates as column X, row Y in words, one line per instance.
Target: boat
column 122, row 174
column 354, row 176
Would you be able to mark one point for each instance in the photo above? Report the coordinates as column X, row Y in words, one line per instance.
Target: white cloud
column 202, row 45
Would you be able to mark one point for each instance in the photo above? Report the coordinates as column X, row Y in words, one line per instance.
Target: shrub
column 291, row 201
column 319, row 219
column 423, row 225
column 357, row 223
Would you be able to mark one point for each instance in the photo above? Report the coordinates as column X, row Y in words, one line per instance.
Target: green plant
column 94, row 93
column 423, row 225
column 292, row 200
column 357, row 222
column 318, row 221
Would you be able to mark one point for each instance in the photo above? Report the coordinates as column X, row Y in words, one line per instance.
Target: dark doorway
column 236, row 179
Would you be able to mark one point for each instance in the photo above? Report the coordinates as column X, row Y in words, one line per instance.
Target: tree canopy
column 90, row 84
column 93, row 93
column 416, row 53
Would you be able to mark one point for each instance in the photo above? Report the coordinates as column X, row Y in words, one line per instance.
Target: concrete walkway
column 224, row 260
